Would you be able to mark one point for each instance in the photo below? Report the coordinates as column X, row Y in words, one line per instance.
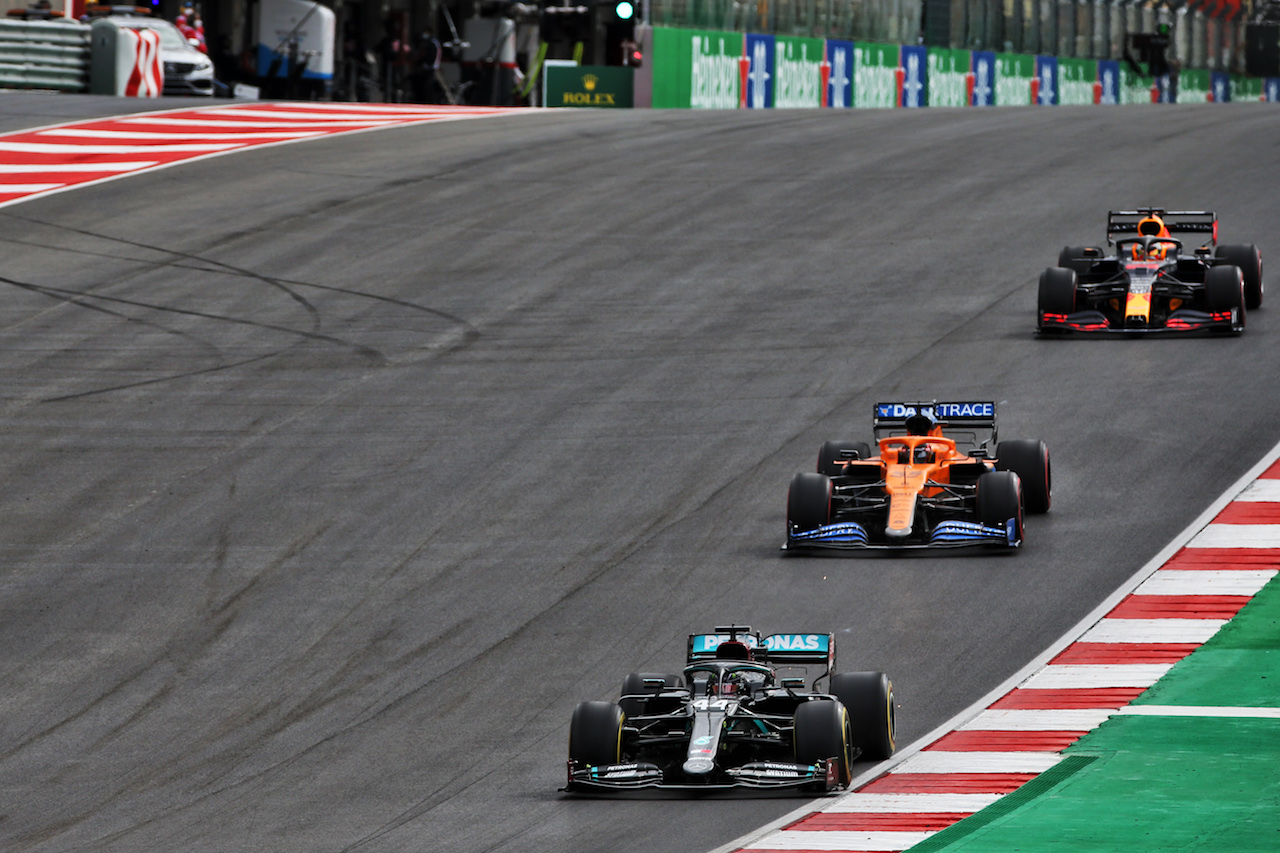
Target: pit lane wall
column 707, row 69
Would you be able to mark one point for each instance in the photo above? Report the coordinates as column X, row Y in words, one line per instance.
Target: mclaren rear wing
column 1125, row 222
column 973, row 418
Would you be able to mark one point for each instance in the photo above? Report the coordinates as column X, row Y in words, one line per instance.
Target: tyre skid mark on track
column 200, row 263
column 43, row 161
column 287, row 286
column 80, row 300
column 83, row 300
column 1094, row 677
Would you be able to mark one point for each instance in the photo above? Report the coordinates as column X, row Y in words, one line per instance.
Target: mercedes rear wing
column 1125, row 222
column 804, row 649
column 975, row 419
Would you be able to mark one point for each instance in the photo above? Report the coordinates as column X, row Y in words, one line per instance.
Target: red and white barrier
column 125, row 61
column 138, row 63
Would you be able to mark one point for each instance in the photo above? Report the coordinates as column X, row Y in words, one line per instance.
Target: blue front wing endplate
column 948, row 534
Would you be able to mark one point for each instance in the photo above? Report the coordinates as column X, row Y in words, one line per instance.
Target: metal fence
column 1081, row 29
column 44, row 55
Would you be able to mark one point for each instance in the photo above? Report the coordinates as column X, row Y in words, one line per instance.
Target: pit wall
column 708, row 69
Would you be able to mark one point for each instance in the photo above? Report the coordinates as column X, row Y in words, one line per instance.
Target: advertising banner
column 1220, row 83
column 983, row 69
column 1194, row 86
column 840, row 79
column 947, row 72
column 1015, row 72
column 1046, row 81
column 760, row 71
column 875, row 75
column 1246, row 88
column 915, row 79
column 797, row 72
column 707, row 69
column 600, row 86
column 1076, row 79
column 699, row 69
column 1134, row 89
column 1109, row 79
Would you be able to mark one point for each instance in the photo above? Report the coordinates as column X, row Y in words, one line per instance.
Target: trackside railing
column 44, row 55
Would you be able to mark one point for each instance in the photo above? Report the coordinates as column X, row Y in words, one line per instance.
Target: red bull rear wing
column 1125, row 222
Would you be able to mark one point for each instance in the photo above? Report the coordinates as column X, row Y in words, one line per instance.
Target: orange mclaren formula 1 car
column 1152, row 282
column 919, row 488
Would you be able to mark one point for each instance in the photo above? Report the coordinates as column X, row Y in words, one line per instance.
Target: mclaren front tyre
column 1029, row 459
column 999, row 504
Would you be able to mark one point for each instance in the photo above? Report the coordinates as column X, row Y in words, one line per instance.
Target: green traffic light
column 624, row 10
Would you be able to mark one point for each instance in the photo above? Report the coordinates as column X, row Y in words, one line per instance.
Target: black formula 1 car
column 1151, row 282
column 920, row 488
column 740, row 715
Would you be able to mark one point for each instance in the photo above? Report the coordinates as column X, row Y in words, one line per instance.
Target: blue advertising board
column 1109, row 77
column 984, row 78
column 915, row 80
column 840, row 83
column 760, row 73
column 1220, row 85
column 1164, row 92
column 1047, row 74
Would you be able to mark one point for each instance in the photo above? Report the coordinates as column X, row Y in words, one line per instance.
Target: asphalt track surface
column 336, row 473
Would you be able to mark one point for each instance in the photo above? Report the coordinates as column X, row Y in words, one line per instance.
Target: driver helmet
column 1152, row 226
column 925, row 453
column 734, row 650
column 921, row 423
column 742, row 682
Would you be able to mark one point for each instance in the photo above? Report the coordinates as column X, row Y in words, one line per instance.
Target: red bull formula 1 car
column 742, row 714
column 1151, row 281
column 920, row 487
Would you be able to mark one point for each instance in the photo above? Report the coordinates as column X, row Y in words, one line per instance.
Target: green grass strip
column 1045, row 782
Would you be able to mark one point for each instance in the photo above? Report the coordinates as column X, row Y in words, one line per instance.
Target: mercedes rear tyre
column 835, row 450
column 868, row 697
column 821, row 730
column 1029, row 459
column 809, row 502
column 1000, row 499
column 1057, row 293
column 1224, row 291
column 1249, row 260
column 634, row 685
column 595, row 734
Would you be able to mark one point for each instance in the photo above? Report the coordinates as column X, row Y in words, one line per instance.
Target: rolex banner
column 588, row 86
